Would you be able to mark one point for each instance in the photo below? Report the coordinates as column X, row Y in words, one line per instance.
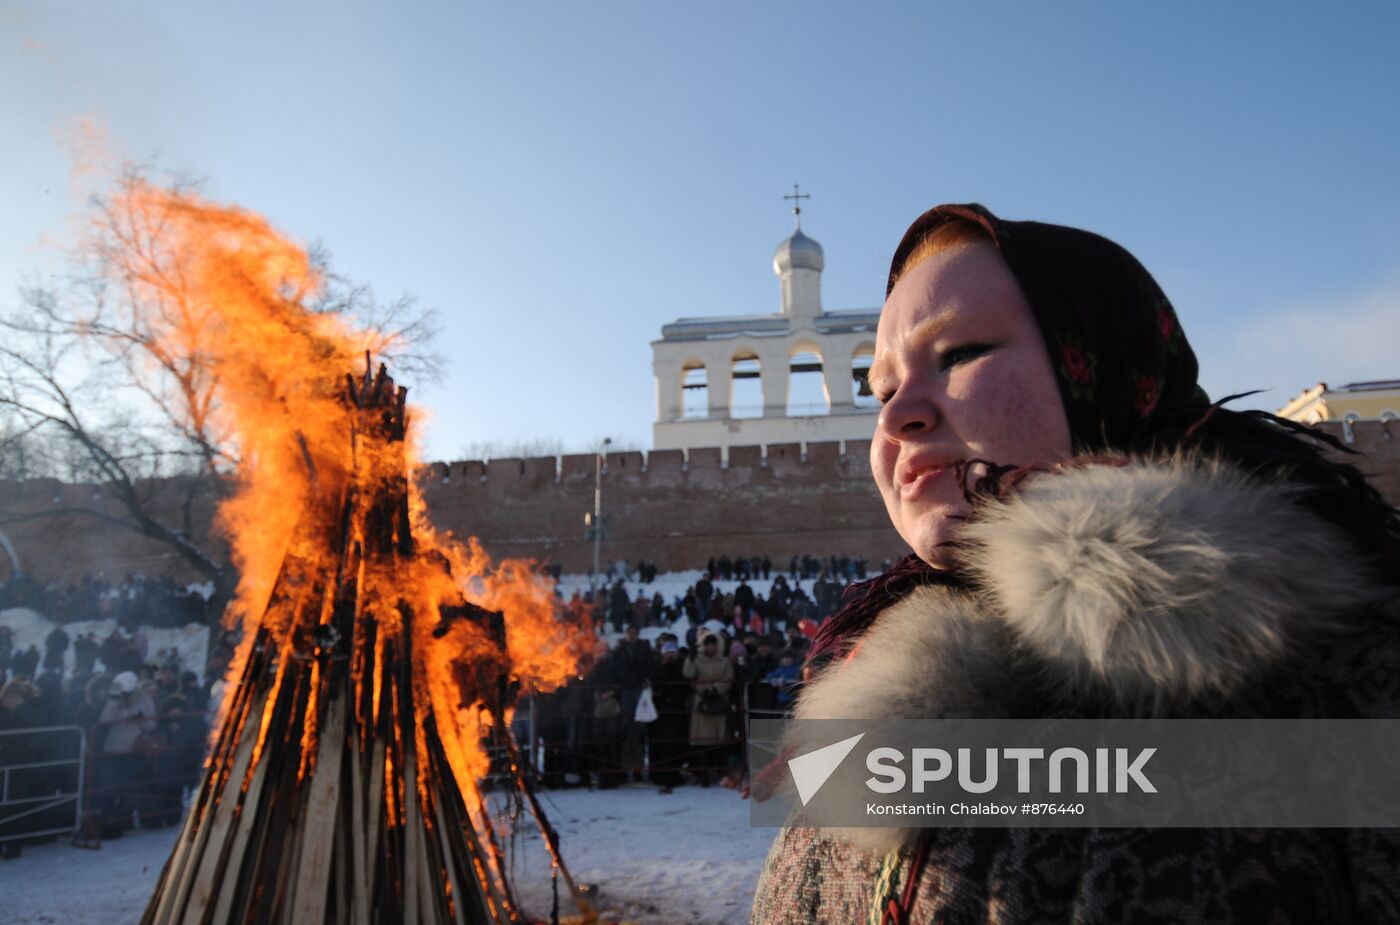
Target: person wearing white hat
column 120, row 768
column 128, row 714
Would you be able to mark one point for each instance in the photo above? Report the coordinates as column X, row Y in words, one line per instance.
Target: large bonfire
column 375, row 656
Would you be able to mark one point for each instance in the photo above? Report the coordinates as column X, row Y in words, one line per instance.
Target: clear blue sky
column 562, row 178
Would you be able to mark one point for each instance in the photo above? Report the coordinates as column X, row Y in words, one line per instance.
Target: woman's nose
column 909, row 413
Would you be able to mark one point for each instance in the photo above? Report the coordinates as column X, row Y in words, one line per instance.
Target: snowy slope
column 192, row 641
column 671, row 586
column 688, row 857
column 31, row 628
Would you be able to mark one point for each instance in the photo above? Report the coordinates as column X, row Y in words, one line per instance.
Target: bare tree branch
column 109, row 376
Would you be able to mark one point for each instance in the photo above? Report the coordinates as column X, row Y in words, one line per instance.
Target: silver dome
column 798, row 252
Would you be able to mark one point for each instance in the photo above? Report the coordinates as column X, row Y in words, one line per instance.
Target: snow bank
column 192, row 640
column 673, row 585
column 31, row 628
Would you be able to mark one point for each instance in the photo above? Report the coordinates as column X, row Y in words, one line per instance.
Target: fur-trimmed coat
column 1171, row 588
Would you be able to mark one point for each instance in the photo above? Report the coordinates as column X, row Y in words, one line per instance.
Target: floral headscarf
column 1121, row 359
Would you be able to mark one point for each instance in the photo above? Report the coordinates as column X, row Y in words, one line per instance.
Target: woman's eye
column 961, row 354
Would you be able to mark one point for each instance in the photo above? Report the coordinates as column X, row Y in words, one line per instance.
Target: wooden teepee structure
column 328, row 796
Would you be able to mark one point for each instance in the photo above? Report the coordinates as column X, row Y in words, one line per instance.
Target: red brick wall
column 658, row 508
column 71, row 545
column 661, row 509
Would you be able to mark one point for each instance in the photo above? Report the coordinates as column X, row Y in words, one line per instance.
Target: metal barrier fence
column 42, row 777
column 150, row 779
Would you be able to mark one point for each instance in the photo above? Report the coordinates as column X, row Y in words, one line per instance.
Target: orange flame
column 226, row 299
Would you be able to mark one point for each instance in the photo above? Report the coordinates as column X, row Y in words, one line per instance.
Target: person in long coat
column 669, row 734
column 1091, row 536
column 711, row 675
column 605, row 726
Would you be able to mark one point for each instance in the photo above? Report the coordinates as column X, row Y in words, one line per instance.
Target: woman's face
column 962, row 373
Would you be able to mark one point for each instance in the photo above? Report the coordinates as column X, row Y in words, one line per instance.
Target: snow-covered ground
column 686, row 857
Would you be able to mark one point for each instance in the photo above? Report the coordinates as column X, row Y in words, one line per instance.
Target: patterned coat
column 1169, row 588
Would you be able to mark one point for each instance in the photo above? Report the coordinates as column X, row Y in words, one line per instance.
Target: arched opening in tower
column 807, row 395
column 695, row 392
column 746, row 392
column 862, row 396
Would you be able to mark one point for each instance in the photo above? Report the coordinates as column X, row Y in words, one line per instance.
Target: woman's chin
column 937, row 550
column 934, row 543
column 942, row 558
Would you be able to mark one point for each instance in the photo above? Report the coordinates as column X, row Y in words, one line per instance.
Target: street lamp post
column 600, row 460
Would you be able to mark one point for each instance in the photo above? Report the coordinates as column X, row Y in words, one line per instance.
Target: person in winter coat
column 669, row 692
column 632, row 660
column 704, row 590
column 55, row 645
column 121, row 770
column 711, row 675
column 744, row 596
column 605, row 729
column 84, row 654
column 25, row 664
column 784, row 677
column 1091, row 537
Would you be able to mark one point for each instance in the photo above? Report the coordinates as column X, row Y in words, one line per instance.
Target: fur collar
column 1149, row 586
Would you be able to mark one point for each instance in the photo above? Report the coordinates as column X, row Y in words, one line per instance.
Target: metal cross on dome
column 797, row 198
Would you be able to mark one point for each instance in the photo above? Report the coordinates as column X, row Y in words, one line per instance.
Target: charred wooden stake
column 328, row 796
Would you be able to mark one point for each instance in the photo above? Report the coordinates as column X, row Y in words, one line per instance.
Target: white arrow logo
column 811, row 770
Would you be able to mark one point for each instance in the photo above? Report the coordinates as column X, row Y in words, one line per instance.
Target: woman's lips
column 926, row 481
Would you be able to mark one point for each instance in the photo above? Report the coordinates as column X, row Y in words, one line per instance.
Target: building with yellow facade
column 1356, row 401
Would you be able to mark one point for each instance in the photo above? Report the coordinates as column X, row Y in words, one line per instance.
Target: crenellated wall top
column 823, row 459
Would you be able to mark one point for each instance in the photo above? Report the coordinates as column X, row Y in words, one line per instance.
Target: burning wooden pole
column 331, row 793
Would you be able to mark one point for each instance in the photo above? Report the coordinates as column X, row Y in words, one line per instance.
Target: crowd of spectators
column 667, row 706
column 135, row 600
column 143, row 713
column 718, row 658
column 612, row 606
column 699, row 687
